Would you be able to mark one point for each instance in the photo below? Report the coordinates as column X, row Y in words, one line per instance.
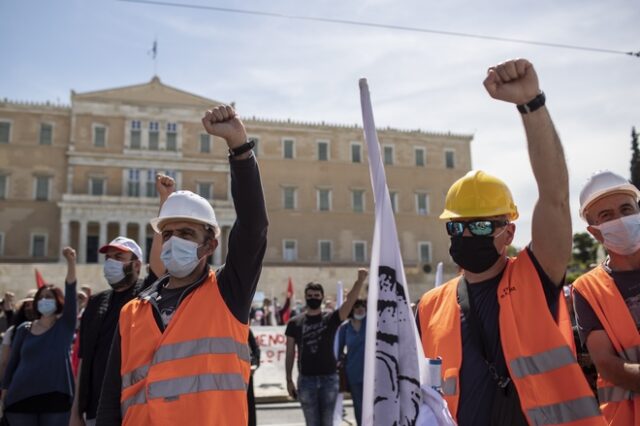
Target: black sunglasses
column 478, row 228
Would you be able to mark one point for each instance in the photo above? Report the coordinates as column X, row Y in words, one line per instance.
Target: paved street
column 290, row 414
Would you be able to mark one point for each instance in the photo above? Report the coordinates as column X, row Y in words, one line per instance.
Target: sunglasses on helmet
column 478, row 228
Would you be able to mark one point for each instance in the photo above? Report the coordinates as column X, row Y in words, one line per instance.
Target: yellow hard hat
column 478, row 194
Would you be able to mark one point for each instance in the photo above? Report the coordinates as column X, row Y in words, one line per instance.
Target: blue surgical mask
column 113, row 271
column 47, row 306
column 179, row 256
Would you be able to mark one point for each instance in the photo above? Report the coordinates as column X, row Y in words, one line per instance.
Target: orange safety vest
column 195, row 373
column 619, row 406
column 540, row 359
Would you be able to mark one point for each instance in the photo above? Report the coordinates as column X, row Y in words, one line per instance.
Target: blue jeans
column 356, row 396
column 38, row 419
column 317, row 395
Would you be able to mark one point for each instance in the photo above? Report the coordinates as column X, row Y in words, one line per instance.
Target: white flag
column 439, row 275
column 393, row 366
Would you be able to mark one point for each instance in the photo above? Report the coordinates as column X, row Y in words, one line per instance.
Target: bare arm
column 612, row 368
column 288, row 363
column 346, row 307
column 517, row 82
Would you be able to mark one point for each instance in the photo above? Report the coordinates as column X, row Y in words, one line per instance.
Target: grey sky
column 309, row 71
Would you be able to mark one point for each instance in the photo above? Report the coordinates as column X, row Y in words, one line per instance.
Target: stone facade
column 82, row 174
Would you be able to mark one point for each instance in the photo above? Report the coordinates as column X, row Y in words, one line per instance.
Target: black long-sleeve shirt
column 237, row 279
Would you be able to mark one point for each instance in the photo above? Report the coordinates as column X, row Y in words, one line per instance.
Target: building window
column 357, row 200
column 154, row 136
column 450, row 159
column 5, row 131
column 324, row 247
column 38, row 245
column 4, row 190
column 42, row 188
column 255, row 141
column 323, row 151
column 97, row 186
column 288, row 148
column 150, row 184
column 205, row 143
column 136, row 136
column 289, row 198
column 46, row 134
column 172, row 137
column 359, row 251
column 133, row 183
column 324, row 200
column 424, row 252
column 356, row 152
column 99, row 136
column 205, row 190
column 388, row 155
column 1, row 244
column 420, row 157
column 289, row 250
column 394, row 201
column 422, row 204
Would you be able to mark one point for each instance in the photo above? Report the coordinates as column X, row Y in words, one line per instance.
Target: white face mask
column 359, row 316
column 179, row 256
column 113, row 271
column 621, row 236
column 46, row 306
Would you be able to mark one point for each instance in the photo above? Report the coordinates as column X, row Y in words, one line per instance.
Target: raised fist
column 223, row 122
column 165, row 185
column 512, row 81
column 362, row 274
column 69, row 254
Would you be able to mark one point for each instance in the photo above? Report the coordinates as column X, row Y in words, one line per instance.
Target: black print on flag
column 397, row 388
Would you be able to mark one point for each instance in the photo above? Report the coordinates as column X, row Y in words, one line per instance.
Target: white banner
column 270, row 379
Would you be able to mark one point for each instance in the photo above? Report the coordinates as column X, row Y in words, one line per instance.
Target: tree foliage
column 585, row 250
column 635, row 158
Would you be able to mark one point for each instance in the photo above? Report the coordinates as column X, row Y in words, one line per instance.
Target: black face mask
column 314, row 303
column 474, row 254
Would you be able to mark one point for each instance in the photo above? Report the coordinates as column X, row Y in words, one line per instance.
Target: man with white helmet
column 180, row 355
column 607, row 298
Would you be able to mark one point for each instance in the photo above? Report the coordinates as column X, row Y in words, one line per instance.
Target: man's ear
column 596, row 233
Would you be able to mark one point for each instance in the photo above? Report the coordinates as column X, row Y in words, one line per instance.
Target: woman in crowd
column 352, row 336
column 38, row 384
column 25, row 312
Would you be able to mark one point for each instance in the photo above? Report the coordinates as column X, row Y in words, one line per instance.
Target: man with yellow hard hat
column 500, row 327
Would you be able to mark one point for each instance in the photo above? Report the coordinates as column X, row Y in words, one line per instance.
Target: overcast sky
column 283, row 68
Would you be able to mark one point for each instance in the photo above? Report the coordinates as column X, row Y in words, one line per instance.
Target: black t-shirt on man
column 314, row 336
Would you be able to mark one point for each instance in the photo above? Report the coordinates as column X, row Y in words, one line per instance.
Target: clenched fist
column 512, row 81
column 223, row 122
column 165, row 185
column 69, row 254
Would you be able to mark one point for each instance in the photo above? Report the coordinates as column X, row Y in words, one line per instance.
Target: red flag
column 39, row 280
column 285, row 313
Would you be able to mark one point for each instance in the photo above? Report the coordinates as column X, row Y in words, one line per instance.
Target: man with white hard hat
column 607, row 298
column 122, row 270
column 180, row 355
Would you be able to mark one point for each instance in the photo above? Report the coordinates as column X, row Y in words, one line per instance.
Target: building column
column 217, row 255
column 142, row 238
column 82, row 241
column 64, row 237
column 224, row 243
column 102, row 238
column 122, row 231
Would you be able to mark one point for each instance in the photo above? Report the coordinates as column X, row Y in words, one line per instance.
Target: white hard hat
column 601, row 183
column 187, row 206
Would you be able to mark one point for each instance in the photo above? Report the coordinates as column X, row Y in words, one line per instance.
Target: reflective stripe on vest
column 449, row 386
column 172, row 389
column 614, row 394
column 186, row 349
column 542, row 362
column 564, row 412
column 631, row 354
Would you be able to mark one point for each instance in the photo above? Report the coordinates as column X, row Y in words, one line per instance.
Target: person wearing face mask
column 38, row 384
column 122, row 271
column 180, row 354
column 502, row 327
column 351, row 336
column 313, row 333
column 607, row 298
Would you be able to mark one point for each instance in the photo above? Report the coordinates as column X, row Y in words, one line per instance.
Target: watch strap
column 248, row 145
column 533, row 105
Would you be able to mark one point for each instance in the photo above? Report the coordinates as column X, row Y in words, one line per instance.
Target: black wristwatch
column 533, row 105
column 248, row 145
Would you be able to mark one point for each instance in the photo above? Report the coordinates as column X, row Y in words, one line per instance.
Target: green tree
column 585, row 250
column 635, row 158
